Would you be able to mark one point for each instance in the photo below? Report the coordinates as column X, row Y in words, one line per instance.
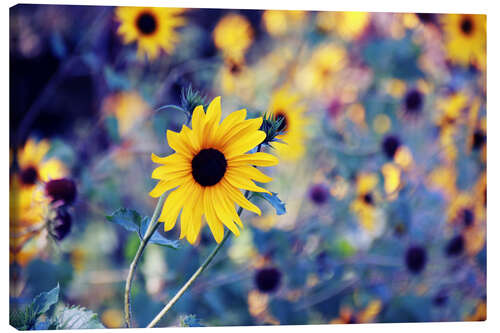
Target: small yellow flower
column 233, row 35
column 348, row 25
column 465, row 36
column 153, row 28
column 208, row 169
column 286, row 105
column 364, row 205
column 279, row 22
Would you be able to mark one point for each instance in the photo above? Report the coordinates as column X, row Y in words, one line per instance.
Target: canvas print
column 226, row 167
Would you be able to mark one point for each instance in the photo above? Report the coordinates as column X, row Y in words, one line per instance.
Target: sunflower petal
column 240, row 181
column 252, row 173
column 258, row 159
column 239, row 198
column 223, row 212
column 214, row 224
column 245, row 144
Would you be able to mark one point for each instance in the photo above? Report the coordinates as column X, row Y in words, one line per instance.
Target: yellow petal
column 240, row 181
column 240, row 130
column 213, row 222
column 252, row 173
column 231, row 121
column 222, row 211
column 244, row 144
column 258, row 159
column 239, row 198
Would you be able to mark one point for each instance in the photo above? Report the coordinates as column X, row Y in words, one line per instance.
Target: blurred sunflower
column 33, row 166
column 348, row 25
column 318, row 74
column 465, row 36
column 208, row 170
column 233, row 35
column 285, row 105
column 279, row 22
column 153, row 28
column 128, row 107
column 364, row 205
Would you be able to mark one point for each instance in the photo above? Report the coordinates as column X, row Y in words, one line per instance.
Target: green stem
column 191, row 280
column 153, row 225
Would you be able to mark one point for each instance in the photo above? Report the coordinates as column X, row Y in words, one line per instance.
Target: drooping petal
column 252, row 173
column 240, row 181
column 222, row 211
column 239, row 198
column 245, row 144
column 213, row 222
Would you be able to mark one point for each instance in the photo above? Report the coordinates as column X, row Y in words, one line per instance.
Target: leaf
column 127, row 218
column 71, row 318
column 156, row 238
column 274, row 200
column 191, row 321
column 45, row 300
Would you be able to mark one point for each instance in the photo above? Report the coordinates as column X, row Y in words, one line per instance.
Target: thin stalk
column 153, row 225
column 191, row 280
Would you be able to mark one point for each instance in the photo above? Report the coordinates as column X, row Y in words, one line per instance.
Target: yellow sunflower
column 465, row 36
column 153, row 28
column 35, row 167
column 208, row 169
column 285, row 105
column 233, row 35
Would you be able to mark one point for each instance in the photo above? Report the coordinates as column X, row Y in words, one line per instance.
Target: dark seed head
column 268, row 279
column 60, row 227
column 426, row 17
column 146, row 23
column 29, row 175
column 467, row 217
column 413, row 102
column 455, row 246
column 61, row 190
column 368, row 199
column 440, row 299
column 416, row 259
column 284, row 123
column 319, row 194
column 208, row 167
column 466, row 25
column 390, row 145
column 352, row 319
column 478, row 139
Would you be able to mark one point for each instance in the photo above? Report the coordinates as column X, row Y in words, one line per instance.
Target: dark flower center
column 29, row 175
column 478, row 139
column 413, row 101
column 208, row 167
column 455, row 246
column 234, row 68
column 368, row 199
column 284, row 123
column 268, row 279
column 466, row 25
column 416, row 258
column 146, row 23
column 468, row 217
column 426, row 17
column 319, row 194
column 390, row 145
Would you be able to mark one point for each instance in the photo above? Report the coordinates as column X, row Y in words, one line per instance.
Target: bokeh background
column 383, row 174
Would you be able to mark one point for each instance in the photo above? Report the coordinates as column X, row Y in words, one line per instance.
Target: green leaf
column 127, row 218
column 190, row 321
column 156, row 238
column 274, row 200
column 45, row 300
column 76, row 317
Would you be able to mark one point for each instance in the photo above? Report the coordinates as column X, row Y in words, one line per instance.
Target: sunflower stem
column 191, row 280
column 153, row 225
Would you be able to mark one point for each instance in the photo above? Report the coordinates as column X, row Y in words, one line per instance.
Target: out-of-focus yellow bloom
column 319, row 73
column 465, row 36
column 451, row 108
column 237, row 79
column 279, row 22
column 33, row 165
column 348, row 25
column 209, row 167
column 443, row 178
column 392, row 179
column 258, row 307
column 367, row 315
column 403, row 157
column 286, row 105
column 128, row 107
column 364, row 205
column 153, row 28
column 381, row 123
column 112, row 318
column 233, row 35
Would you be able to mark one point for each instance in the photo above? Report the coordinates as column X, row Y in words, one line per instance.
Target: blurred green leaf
column 127, row 218
column 274, row 200
column 45, row 300
column 157, row 238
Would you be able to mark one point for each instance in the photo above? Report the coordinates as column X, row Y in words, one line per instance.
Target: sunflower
column 364, row 205
column 208, row 169
column 285, row 105
column 465, row 36
column 153, row 28
column 33, row 165
column 233, row 36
